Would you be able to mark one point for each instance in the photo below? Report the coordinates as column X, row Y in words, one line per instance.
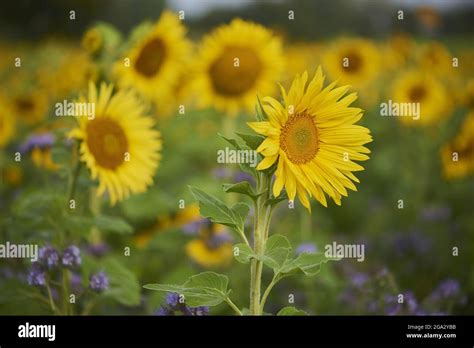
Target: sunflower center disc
column 24, row 104
column 417, row 93
column 151, row 58
column 299, row 138
column 354, row 62
column 235, row 71
column 107, row 142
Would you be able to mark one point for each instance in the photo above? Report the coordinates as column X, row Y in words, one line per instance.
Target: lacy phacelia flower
column 71, row 257
column 99, row 282
column 36, row 276
column 174, row 305
column 48, row 256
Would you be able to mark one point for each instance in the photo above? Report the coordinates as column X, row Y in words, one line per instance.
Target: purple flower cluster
column 194, row 227
column 49, row 259
column 71, row 257
column 37, row 275
column 42, row 141
column 175, row 306
column 99, row 282
column 218, row 239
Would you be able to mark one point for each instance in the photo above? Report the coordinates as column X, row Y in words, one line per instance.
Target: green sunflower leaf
column 243, row 253
column 291, row 311
column 246, row 167
column 306, row 263
column 242, row 187
column 203, row 289
column 124, row 286
column 260, row 113
column 252, row 140
column 273, row 201
column 277, row 250
column 217, row 211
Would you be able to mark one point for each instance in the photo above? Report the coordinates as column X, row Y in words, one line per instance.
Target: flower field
column 260, row 158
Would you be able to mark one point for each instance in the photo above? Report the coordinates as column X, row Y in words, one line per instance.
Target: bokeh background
column 423, row 250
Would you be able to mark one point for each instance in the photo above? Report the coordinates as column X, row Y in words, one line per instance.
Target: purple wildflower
column 44, row 140
column 99, row 282
column 306, row 248
column 358, row 279
column 36, row 276
column 446, row 289
column 71, row 257
column 97, row 249
column 48, row 256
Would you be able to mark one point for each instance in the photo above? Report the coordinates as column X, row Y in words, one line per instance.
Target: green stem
column 50, row 297
column 75, row 176
column 66, row 292
column 261, row 227
column 90, row 305
column 267, row 292
column 233, row 306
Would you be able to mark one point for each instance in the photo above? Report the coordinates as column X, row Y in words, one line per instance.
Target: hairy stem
column 233, row 306
column 261, row 226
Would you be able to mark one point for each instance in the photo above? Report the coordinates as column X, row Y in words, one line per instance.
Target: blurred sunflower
column 235, row 63
column 181, row 217
column 398, row 50
column 12, row 175
column 72, row 72
column 301, row 57
column 30, row 107
column 119, row 146
column 92, row 40
column 39, row 146
column 429, row 92
column 313, row 140
column 352, row 61
column 458, row 156
column 213, row 248
column 467, row 94
column 7, row 124
column 157, row 60
column 435, row 58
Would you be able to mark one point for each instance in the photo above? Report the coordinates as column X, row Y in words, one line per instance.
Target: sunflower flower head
column 457, row 156
column 234, row 63
column 313, row 140
column 429, row 92
column 119, row 145
column 155, row 63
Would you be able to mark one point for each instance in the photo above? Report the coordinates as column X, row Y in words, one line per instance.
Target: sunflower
column 235, row 63
column 313, row 140
column 71, row 72
column 429, row 92
column 92, row 40
column 353, row 61
column 213, row 249
column 157, row 60
column 467, row 94
column 170, row 221
column 301, row 57
column 12, row 175
column 458, row 155
column 7, row 124
column 30, row 107
column 435, row 58
column 39, row 146
column 119, row 146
